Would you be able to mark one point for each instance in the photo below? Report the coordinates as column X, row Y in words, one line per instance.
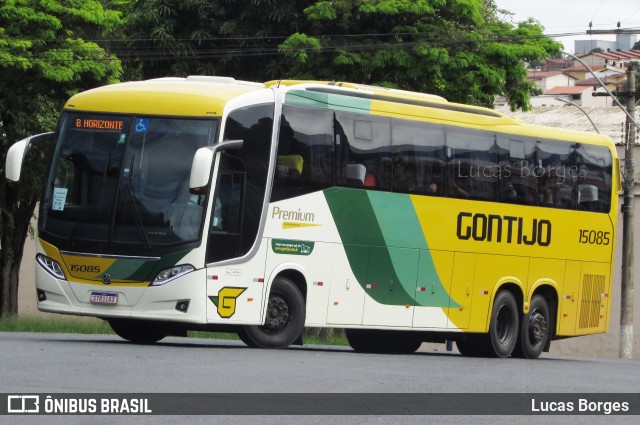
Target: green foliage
column 239, row 38
column 46, row 54
column 459, row 49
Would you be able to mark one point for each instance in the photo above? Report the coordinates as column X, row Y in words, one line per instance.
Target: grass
column 90, row 325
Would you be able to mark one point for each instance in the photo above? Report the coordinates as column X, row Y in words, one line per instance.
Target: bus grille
column 592, row 290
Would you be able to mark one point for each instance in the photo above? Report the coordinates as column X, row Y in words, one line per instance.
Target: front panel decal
column 226, row 301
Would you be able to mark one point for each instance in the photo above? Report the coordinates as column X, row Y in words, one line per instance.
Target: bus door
column 235, row 255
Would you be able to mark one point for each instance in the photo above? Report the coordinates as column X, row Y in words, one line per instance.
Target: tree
column 45, row 57
column 459, row 49
column 237, row 38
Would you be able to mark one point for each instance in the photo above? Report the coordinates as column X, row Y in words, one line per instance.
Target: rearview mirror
column 202, row 163
column 17, row 153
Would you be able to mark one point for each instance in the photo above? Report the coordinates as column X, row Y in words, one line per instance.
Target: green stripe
column 386, row 247
column 398, row 220
column 137, row 270
column 327, row 101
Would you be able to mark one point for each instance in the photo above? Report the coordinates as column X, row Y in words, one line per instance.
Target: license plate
column 103, row 298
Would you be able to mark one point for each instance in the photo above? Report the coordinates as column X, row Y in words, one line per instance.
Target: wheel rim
column 277, row 313
column 537, row 327
column 504, row 325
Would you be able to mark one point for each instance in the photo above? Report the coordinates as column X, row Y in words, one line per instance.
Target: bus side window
column 593, row 169
column 419, row 162
column 557, row 171
column 363, row 151
column 305, row 157
column 518, row 180
column 472, row 164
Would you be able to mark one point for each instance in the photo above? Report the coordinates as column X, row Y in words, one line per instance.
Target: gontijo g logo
column 226, row 301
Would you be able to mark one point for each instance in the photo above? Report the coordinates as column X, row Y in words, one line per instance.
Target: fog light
column 41, row 295
column 182, row 306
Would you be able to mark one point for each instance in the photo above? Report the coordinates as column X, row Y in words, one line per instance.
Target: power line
column 125, row 50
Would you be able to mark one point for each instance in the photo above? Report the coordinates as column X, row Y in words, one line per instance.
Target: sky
column 573, row 16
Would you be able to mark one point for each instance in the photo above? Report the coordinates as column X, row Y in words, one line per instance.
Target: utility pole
column 626, row 303
column 626, row 293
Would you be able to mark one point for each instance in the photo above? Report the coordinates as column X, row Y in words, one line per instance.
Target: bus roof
column 194, row 96
column 205, row 96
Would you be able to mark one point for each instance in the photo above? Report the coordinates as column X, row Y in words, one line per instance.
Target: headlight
column 50, row 265
column 170, row 274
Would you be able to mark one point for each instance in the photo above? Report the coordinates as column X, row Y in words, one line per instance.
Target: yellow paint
column 176, row 97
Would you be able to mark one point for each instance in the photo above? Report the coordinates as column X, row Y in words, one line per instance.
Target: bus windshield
column 119, row 179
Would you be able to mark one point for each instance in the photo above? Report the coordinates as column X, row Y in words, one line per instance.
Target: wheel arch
column 297, row 277
column 515, row 288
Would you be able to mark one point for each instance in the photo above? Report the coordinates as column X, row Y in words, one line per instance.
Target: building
column 623, row 42
column 614, row 58
column 544, row 80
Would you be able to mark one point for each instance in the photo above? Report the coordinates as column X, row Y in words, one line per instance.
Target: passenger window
column 594, row 178
column 418, row 157
column 472, row 164
column 363, row 151
column 557, row 173
column 305, row 152
column 518, row 181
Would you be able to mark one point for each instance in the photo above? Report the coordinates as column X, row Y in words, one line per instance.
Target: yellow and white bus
column 211, row 203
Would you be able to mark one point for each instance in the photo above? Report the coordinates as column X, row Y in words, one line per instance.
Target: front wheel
column 534, row 332
column 138, row 331
column 285, row 318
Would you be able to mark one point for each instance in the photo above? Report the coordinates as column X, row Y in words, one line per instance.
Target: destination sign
column 98, row 124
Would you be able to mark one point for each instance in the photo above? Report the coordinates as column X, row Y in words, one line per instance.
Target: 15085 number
column 594, row 237
column 85, row 269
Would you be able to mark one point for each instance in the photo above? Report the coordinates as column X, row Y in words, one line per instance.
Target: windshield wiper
column 76, row 229
column 134, row 200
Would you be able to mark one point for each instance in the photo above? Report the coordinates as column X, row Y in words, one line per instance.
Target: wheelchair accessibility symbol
column 142, row 125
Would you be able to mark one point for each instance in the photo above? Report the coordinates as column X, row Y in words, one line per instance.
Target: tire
column 383, row 342
column 285, row 318
column 503, row 328
column 468, row 346
column 535, row 329
column 138, row 331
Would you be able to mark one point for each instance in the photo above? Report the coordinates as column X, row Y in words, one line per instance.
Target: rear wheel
column 285, row 318
column 503, row 328
column 138, row 331
column 534, row 332
column 382, row 341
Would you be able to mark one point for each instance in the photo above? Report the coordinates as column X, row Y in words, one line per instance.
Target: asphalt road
column 63, row 363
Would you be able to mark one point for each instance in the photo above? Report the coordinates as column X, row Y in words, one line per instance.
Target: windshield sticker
column 142, row 125
column 281, row 246
column 59, row 198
